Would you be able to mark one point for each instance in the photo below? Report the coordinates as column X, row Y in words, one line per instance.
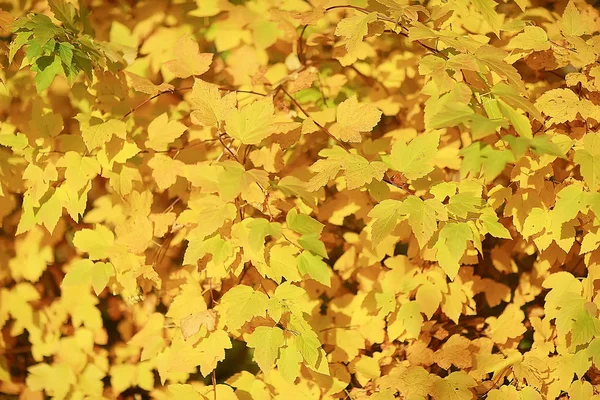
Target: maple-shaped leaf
column 165, row 170
column 456, row 386
column 85, row 272
column 242, row 303
column 253, row 123
column 289, row 361
column 287, row 298
column 208, row 107
column 507, row 325
column 283, row 263
column 78, row 170
column 533, row 38
column 415, row 159
column 266, row 341
column 493, row 58
column 354, row 29
column 354, row 118
column 308, row 345
column 359, row 171
column 423, row 217
column 162, row 132
column 191, row 324
column 451, row 246
column 588, row 159
column 189, row 60
column 96, row 242
column 429, row 297
column 143, row 85
column 211, row 350
column 188, row 301
column 314, row 266
column 487, row 8
column 220, row 249
column 454, row 352
column 411, row 382
column 96, row 131
column 385, row 218
column 55, row 379
column 575, row 23
column 406, row 322
column 561, row 105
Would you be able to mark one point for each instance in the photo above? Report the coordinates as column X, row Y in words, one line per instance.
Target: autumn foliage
column 307, row 199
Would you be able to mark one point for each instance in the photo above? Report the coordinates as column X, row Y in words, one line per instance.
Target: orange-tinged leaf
column 354, row 119
column 162, row 132
column 189, row 60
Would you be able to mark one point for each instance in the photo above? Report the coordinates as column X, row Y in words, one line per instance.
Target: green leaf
column 47, row 68
column 452, row 114
column 64, row 12
column 313, row 243
column 302, row 223
column 519, row 121
column 65, row 52
column 314, row 267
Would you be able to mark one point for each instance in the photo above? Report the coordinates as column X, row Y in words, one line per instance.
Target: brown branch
column 228, row 149
column 395, row 22
column 171, row 91
column 300, row 49
column 339, row 142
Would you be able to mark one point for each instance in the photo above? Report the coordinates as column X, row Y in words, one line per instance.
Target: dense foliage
column 305, row 199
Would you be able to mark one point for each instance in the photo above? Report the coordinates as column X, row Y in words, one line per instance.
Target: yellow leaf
column 456, row 386
column 561, row 105
column 96, row 242
column 266, row 342
column 189, row 60
column 165, row 170
column 588, row 159
column 96, row 132
column 533, row 38
column 507, row 325
column 32, row 257
column 574, row 23
column 162, row 132
column 353, row 29
column 191, row 324
column 253, row 123
column 451, row 246
column 208, row 107
column 359, row 171
column 241, row 304
column 354, row 118
column 211, row 350
column 143, row 85
column 415, row 159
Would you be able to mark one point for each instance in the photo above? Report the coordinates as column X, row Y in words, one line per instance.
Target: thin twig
column 339, row 142
column 228, row 149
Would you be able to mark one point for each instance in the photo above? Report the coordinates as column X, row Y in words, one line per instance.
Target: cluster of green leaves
column 65, row 50
column 372, row 199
